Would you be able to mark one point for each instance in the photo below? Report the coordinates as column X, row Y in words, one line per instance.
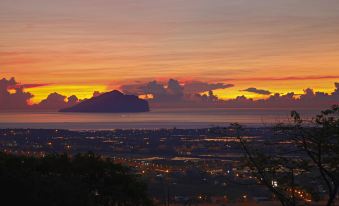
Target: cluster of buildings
column 181, row 166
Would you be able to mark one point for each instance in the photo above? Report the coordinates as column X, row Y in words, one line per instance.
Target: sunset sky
column 79, row 46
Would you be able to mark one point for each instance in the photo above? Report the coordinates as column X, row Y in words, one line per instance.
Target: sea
column 156, row 119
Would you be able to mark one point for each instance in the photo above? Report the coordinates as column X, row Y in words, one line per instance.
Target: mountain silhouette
column 110, row 102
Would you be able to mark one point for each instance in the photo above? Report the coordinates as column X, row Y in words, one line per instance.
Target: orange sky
column 79, row 46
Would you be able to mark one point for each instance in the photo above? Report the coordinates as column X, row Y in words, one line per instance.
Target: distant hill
column 110, row 102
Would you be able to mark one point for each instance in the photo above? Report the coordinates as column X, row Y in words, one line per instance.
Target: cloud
column 72, row 100
column 53, row 100
column 199, row 87
column 288, row 78
column 26, row 86
column 154, row 88
column 173, row 90
column 13, row 100
column 56, row 101
column 97, row 93
column 172, row 94
column 309, row 99
column 136, row 89
column 205, row 98
column 169, row 92
column 192, row 94
column 257, row 91
column 13, row 97
column 336, row 91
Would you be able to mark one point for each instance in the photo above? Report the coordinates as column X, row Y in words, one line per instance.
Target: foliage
column 319, row 138
column 307, row 167
column 85, row 179
column 272, row 167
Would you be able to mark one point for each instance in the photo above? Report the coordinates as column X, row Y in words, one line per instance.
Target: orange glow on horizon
column 86, row 91
column 81, row 91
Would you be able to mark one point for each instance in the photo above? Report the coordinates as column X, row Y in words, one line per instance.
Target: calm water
column 159, row 118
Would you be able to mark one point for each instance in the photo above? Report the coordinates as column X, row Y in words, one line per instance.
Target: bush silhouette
column 54, row 180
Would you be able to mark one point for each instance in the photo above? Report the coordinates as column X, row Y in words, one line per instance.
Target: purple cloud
column 18, row 100
column 257, row 91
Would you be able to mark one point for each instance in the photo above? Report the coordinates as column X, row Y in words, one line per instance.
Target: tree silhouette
column 292, row 173
column 85, row 179
column 319, row 138
column 271, row 169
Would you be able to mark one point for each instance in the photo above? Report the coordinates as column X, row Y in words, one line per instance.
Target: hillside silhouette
column 60, row 180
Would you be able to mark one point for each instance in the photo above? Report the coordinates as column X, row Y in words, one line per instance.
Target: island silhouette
column 110, row 102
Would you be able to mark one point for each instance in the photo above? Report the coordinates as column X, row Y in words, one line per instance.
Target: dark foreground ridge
column 111, row 102
column 61, row 180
